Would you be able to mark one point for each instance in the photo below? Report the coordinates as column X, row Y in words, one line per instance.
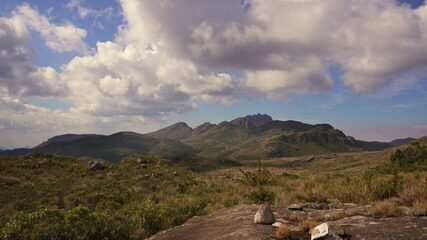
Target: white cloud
column 18, row 75
column 84, row 12
column 60, row 38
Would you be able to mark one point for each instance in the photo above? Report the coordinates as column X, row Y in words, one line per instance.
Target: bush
column 262, row 196
column 260, row 177
column 412, row 158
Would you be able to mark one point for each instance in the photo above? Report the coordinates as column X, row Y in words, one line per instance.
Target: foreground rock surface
column 237, row 223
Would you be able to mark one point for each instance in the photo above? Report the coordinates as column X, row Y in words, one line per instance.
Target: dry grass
column 307, row 224
column 386, row 208
column 414, row 189
column 282, row 233
column 295, row 217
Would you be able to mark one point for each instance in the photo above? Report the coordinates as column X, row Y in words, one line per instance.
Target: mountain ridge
column 248, row 137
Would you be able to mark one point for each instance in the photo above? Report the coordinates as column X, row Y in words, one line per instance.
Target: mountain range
column 249, row 137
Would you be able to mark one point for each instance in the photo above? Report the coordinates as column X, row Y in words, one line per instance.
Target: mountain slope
column 249, row 137
column 401, row 141
column 236, row 140
column 67, row 138
column 116, row 146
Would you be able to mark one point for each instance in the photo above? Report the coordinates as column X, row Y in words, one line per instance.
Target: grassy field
column 57, row 197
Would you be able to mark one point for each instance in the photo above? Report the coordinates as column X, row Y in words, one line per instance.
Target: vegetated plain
column 46, row 196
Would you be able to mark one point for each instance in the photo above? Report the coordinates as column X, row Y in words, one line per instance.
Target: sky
column 80, row 66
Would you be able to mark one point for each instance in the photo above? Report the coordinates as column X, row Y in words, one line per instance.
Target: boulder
column 95, row 165
column 264, row 215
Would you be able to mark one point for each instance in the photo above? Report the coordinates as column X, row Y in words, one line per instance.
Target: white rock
column 320, row 231
column 326, row 229
column 279, row 225
column 264, row 215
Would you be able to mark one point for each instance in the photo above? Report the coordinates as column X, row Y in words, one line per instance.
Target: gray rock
column 95, row 165
column 264, row 215
column 296, row 207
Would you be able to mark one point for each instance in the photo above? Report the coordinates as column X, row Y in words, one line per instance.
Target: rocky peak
column 252, row 121
column 203, row 128
column 179, row 130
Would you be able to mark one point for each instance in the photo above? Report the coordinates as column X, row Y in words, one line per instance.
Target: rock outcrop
column 95, row 165
column 237, row 223
column 252, row 121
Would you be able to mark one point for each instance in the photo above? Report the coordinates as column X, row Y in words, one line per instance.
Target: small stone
column 175, row 173
column 264, row 215
column 296, row 207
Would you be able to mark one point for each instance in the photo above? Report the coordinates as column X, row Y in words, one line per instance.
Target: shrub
column 411, row 158
column 385, row 186
column 260, row 177
column 262, row 196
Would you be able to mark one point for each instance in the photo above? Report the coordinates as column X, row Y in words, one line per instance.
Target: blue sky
column 182, row 65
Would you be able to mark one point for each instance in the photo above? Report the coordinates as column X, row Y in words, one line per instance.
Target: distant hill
column 16, row 152
column 249, row 137
column 112, row 147
column 67, row 138
column 401, row 141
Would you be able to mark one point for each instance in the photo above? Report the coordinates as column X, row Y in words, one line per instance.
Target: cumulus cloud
column 18, row 75
column 60, row 38
column 169, row 55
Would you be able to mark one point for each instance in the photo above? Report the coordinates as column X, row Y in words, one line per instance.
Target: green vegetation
column 57, row 197
column 411, row 158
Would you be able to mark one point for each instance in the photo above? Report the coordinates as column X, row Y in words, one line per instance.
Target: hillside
column 116, row 146
column 274, row 139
